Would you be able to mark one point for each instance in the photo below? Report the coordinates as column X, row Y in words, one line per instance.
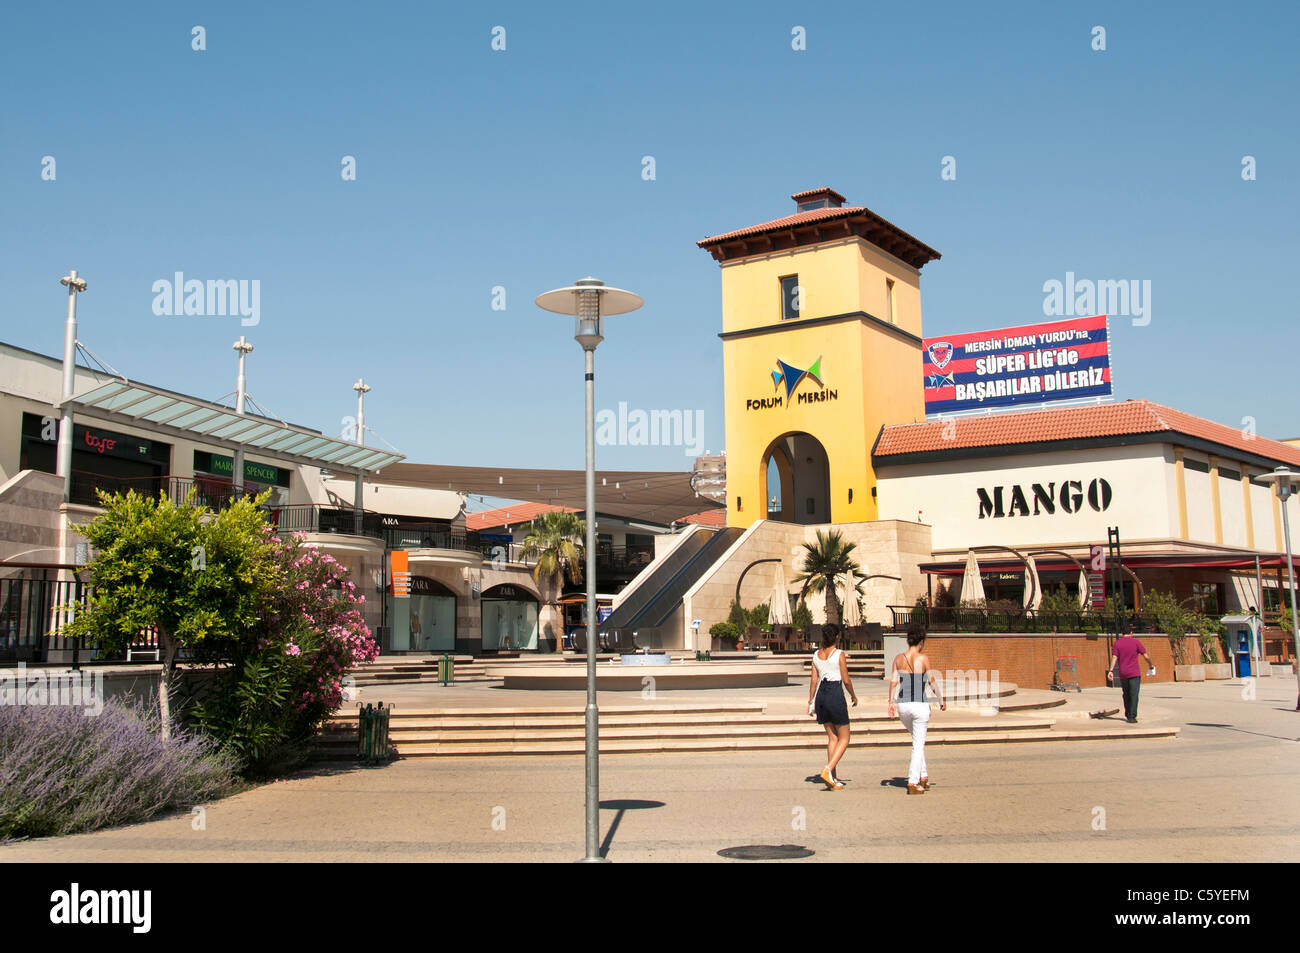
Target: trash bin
column 446, row 669
column 372, row 733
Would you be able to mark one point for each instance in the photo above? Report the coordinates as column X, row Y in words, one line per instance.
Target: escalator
column 655, row 600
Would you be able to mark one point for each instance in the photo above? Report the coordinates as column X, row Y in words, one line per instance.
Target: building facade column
column 1181, row 482
column 1215, row 507
column 1250, row 513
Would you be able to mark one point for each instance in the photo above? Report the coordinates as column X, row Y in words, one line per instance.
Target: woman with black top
column 908, row 697
column 830, row 680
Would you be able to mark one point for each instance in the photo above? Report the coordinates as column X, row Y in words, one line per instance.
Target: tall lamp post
column 1284, row 481
column 63, row 459
column 358, row 493
column 589, row 300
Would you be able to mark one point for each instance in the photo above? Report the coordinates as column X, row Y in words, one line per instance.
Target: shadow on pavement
column 622, row 806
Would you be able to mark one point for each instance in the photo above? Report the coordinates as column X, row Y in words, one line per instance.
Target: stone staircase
column 413, row 669
column 704, row 726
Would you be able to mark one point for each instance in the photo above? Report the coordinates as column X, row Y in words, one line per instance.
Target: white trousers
column 915, row 717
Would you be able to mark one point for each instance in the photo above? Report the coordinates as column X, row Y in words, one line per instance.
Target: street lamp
column 1284, row 481
column 358, row 492
column 589, row 300
column 63, row 457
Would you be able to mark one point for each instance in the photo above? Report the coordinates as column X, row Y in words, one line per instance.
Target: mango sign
column 1031, row 364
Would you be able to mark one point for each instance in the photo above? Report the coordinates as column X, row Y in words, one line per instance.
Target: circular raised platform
column 618, row 678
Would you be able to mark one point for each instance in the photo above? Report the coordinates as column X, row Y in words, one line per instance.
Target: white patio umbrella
column 849, row 600
column 1031, row 576
column 1083, row 589
column 778, row 610
column 972, row 586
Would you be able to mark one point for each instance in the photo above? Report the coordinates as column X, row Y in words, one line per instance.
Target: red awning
column 1136, row 563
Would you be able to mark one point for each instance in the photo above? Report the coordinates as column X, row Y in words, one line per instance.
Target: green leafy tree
column 556, row 541
column 181, row 570
column 738, row 617
column 823, row 561
column 288, row 670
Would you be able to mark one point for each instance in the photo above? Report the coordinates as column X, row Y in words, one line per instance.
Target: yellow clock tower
column 821, row 346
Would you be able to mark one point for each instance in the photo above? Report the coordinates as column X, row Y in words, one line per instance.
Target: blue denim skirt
column 830, row 705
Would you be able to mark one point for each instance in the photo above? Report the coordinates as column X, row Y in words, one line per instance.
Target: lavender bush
column 62, row 772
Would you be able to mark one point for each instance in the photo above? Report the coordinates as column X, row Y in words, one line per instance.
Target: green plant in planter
column 1174, row 619
column 920, row 614
column 738, row 616
column 724, row 632
column 802, row 617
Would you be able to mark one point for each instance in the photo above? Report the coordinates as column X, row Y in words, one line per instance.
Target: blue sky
column 522, row 169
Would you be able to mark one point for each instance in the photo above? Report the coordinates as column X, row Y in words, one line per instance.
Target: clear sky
column 522, row 169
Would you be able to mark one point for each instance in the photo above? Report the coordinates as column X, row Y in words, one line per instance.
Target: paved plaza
column 1224, row 789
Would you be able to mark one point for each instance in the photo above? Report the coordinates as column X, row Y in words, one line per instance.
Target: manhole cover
column 766, row 852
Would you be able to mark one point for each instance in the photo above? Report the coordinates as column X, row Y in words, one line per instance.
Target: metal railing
column 995, row 619
column 623, row 559
column 312, row 518
column 440, row 536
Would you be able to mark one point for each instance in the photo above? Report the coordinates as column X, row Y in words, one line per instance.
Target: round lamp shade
column 612, row 300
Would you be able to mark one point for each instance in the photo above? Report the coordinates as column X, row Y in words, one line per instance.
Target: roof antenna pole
column 241, row 393
column 362, row 388
column 63, row 461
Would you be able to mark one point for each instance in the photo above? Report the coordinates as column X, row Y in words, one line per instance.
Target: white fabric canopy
column 849, row 599
column 778, row 609
column 1031, row 577
column 972, row 586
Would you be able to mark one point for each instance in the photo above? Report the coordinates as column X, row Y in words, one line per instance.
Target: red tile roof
column 512, row 515
column 1074, row 423
column 779, row 224
column 716, row 517
column 810, row 193
column 784, row 232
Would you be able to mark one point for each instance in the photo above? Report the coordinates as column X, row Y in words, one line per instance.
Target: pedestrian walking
column 1124, row 666
column 830, row 680
column 909, row 699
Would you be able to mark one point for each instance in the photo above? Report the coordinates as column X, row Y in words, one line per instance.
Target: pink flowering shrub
column 288, row 671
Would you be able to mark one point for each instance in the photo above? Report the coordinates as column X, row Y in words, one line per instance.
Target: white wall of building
column 1143, row 502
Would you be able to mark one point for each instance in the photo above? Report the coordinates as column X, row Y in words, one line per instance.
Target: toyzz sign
column 1058, row 360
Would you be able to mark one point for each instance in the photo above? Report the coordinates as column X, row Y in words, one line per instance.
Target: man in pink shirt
column 1125, row 666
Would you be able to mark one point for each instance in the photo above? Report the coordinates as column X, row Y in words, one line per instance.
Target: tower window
column 791, row 298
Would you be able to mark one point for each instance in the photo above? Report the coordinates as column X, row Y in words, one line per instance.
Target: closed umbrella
column 850, row 601
column 778, row 610
column 1032, row 582
column 972, row 586
column 1083, row 589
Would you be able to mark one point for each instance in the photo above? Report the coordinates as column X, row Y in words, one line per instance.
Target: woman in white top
column 830, row 679
column 908, row 698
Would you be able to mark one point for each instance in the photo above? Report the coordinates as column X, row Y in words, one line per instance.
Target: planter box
column 1189, row 673
column 1218, row 670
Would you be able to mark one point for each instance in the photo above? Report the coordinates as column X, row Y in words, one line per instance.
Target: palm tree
column 555, row 540
column 823, row 562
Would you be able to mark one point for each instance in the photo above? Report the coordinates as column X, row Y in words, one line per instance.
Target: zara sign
column 1069, row 495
